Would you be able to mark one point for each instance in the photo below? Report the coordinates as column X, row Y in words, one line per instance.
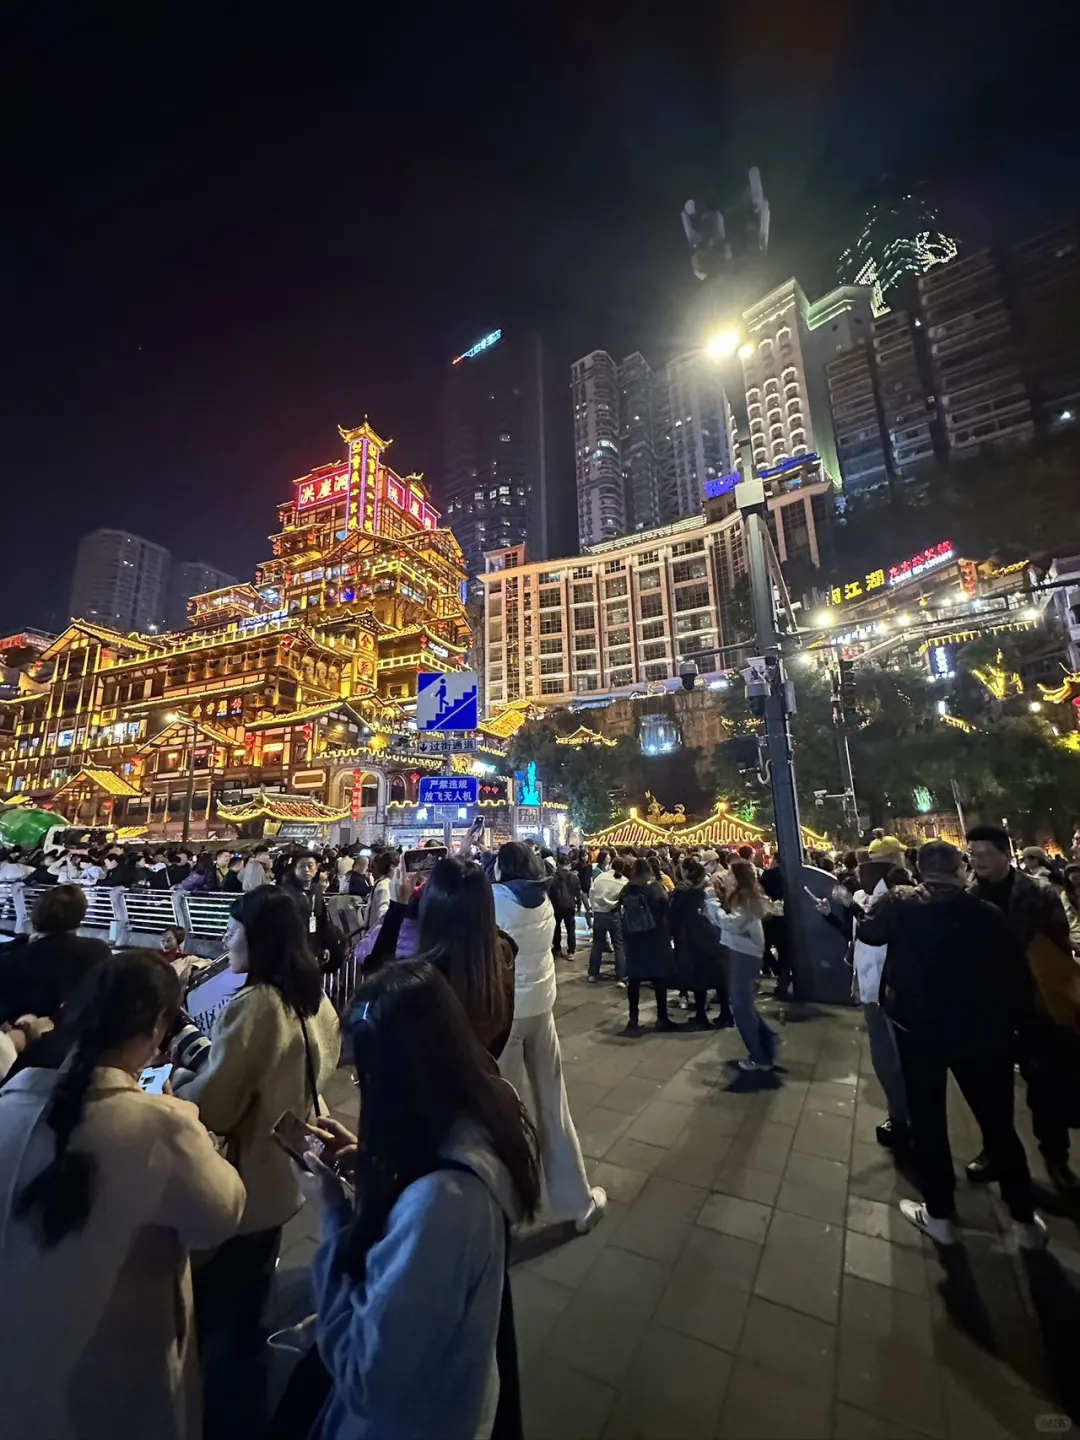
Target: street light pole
column 185, row 832
column 777, row 701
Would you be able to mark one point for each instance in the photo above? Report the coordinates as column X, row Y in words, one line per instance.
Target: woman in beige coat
column 104, row 1191
column 273, row 1048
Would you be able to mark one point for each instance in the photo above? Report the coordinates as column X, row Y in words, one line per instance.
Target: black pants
column 565, row 917
column 633, row 994
column 986, row 1083
column 778, row 951
column 232, row 1294
column 1047, row 1065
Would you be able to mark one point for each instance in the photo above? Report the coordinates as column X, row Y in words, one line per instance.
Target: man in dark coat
column 326, row 939
column 643, row 908
column 1050, row 1060
column 957, row 989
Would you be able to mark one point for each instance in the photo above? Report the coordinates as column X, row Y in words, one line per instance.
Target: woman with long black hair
column 104, row 1192
column 414, row 1314
column 273, row 1047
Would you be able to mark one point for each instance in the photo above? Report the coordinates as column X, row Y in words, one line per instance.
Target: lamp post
column 175, row 719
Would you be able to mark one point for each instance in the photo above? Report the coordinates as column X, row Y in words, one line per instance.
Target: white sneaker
column 749, row 1064
column 1031, row 1237
column 940, row 1231
column 595, row 1213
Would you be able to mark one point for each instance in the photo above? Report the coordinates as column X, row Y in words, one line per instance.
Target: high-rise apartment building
column 626, row 613
column 120, row 581
column 786, row 390
column 982, row 395
column 884, row 411
column 899, row 238
column 1044, row 285
column 696, row 411
column 601, row 489
column 499, row 482
column 665, row 432
column 637, row 442
column 188, row 578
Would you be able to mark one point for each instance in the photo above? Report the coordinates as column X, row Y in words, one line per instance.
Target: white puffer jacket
column 523, row 910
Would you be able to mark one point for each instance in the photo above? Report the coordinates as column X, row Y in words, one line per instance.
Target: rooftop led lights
column 481, row 345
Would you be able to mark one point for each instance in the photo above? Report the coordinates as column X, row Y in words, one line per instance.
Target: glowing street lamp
column 722, row 345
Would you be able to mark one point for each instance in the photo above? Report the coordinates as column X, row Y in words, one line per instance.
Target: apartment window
column 653, row 630
column 688, row 547
column 585, row 642
column 684, row 624
column 655, row 650
column 618, row 637
column 614, row 588
column 583, row 594
column 585, row 619
column 688, row 570
column 549, row 577
column 551, row 647
column 612, row 567
column 691, row 645
column 619, row 655
column 692, row 597
column 656, row 672
column 648, row 557
column 585, row 661
column 551, row 687
column 648, row 579
column 621, row 677
column 550, row 599
column 554, row 666
column 651, row 606
column 618, row 615
column 551, row 625
column 581, row 572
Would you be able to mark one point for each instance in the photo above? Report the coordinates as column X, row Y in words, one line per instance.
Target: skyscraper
column 696, row 412
column 637, row 442
column 601, row 490
column 899, row 239
column 786, row 391
column 188, row 578
column 497, row 476
column 119, row 581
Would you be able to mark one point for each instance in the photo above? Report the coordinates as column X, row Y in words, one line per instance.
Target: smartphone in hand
column 296, row 1138
column 154, row 1078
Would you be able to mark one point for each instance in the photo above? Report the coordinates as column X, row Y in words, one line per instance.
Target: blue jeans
column 607, row 923
column 759, row 1038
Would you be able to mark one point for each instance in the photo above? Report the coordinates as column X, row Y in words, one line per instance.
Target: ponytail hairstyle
column 746, row 894
column 121, row 999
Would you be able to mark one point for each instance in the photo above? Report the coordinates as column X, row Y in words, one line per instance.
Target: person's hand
column 404, row 883
column 319, row 1183
column 340, row 1145
column 822, row 904
column 33, row 1026
column 17, row 1037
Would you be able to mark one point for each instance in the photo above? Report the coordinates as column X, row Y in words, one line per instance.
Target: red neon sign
column 919, row 564
column 318, row 489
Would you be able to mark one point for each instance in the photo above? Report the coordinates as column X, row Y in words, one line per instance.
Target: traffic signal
column 846, row 692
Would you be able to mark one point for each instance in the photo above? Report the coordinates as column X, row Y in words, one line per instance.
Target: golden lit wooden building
column 301, row 681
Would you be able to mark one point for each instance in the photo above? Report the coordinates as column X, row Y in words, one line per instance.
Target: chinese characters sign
column 900, row 574
column 318, row 489
column 448, row 789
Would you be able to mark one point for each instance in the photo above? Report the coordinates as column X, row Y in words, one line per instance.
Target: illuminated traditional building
column 303, row 680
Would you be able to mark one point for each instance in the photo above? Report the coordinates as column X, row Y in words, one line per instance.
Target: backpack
column 637, row 915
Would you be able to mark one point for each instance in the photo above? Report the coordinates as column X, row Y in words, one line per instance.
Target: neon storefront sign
column 907, row 570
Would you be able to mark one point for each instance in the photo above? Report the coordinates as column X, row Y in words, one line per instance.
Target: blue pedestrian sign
column 447, row 702
column 449, row 789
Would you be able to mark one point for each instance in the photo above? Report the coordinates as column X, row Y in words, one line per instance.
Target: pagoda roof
column 267, row 805
column 133, row 642
column 507, row 722
column 584, row 736
column 176, row 731
column 719, row 828
column 301, row 717
column 106, row 780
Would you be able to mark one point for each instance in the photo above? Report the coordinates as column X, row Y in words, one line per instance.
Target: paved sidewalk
column 753, row 1277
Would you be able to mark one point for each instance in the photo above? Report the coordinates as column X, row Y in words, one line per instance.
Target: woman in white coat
column 524, row 912
column 104, row 1192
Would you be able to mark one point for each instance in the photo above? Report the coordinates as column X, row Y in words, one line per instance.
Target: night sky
column 219, row 243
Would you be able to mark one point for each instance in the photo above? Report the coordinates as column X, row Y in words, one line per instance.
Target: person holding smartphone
column 273, row 1047
column 104, row 1193
column 414, row 1311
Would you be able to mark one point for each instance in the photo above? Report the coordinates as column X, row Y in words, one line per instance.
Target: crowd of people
column 140, row 1224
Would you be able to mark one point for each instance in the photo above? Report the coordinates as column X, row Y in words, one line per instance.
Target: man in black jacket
column 326, row 939
column 957, row 988
column 1050, row 1056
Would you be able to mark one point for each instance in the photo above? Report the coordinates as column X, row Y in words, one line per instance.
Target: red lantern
column 357, row 793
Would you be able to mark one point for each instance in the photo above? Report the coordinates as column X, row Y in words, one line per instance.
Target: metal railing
column 125, row 914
